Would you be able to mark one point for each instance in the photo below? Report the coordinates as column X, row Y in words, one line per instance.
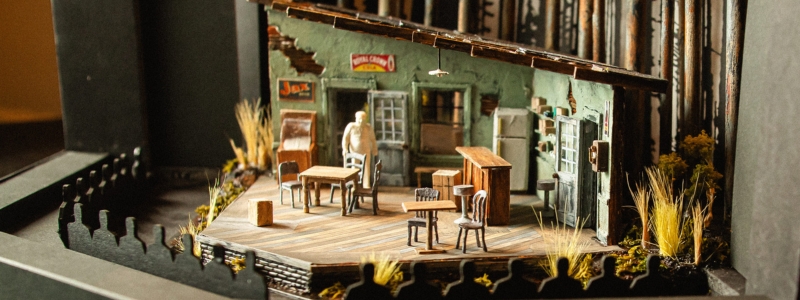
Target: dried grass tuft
column 564, row 242
column 641, row 197
column 256, row 126
column 667, row 213
column 698, row 224
column 387, row 271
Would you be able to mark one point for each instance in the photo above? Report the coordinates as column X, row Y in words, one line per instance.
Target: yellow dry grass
column 213, row 197
column 256, row 126
column 191, row 230
column 641, row 198
column 387, row 271
column 564, row 242
column 667, row 213
column 698, row 224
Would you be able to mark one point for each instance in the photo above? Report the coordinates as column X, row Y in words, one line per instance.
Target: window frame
column 415, row 119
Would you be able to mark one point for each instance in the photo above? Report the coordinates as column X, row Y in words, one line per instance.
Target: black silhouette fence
column 514, row 286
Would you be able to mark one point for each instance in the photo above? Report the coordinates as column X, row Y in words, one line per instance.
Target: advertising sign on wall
column 295, row 90
column 372, row 62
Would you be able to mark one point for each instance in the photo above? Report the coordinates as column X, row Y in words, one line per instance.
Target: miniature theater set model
column 512, row 160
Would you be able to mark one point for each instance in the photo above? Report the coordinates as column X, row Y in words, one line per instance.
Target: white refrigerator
column 511, row 141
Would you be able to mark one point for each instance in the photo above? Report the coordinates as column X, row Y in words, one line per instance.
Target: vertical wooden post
column 599, row 31
column 463, row 16
column 665, row 110
column 632, row 61
column 552, row 26
column 692, row 78
column 428, row 19
column 680, row 15
column 617, row 184
column 509, row 21
column 383, row 8
column 344, row 3
column 737, row 12
column 585, row 29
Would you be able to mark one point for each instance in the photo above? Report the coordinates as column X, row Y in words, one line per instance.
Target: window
column 441, row 121
column 441, row 116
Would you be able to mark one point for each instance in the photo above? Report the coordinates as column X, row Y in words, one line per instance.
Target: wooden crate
column 443, row 181
column 259, row 212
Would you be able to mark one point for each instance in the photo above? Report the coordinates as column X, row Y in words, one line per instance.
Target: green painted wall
column 590, row 99
column 333, row 48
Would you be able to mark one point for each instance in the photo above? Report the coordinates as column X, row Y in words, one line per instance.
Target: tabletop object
column 326, row 174
column 429, row 206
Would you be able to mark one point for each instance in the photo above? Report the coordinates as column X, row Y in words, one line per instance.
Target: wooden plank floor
column 324, row 237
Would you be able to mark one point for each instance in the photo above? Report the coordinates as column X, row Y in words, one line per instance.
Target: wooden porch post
column 552, row 25
column 665, row 110
column 585, row 29
column 733, row 72
column 599, row 31
column 692, row 78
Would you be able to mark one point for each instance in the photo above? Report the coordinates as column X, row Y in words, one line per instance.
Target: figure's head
column 516, row 266
column 361, row 116
column 419, row 270
column 467, row 269
column 562, row 267
column 367, row 272
column 609, row 264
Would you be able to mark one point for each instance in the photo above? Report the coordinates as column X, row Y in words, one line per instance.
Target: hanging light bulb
column 438, row 72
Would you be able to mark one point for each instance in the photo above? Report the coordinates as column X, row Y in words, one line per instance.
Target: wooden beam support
column 552, row 25
column 552, row 66
column 737, row 12
column 423, row 38
column 310, row 15
column 585, row 29
column 665, row 109
column 451, row 44
column 373, row 28
column 616, row 78
column 502, row 55
column 692, row 78
column 599, row 31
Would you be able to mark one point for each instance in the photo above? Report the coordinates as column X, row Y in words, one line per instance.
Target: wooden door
column 389, row 117
column 567, row 160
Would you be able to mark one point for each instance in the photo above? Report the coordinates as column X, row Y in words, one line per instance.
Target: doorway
column 344, row 103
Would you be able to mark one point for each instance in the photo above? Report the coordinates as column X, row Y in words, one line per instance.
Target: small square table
column 326, row 174
column 429, row 206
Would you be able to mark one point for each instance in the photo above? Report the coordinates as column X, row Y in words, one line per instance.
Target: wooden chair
column 351, row 160
column 420, row 217
column 370, row 192
column 478, row 221
column 289, row 168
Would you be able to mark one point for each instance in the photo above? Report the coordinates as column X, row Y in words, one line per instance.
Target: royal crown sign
column 372, row 62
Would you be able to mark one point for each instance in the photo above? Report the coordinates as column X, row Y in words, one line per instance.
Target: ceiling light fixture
column 438, row 72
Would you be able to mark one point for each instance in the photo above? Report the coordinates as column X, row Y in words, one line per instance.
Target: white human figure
column 360, row 138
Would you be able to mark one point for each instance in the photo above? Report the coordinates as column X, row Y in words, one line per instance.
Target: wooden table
column 429, row 206
column 487, row 171
column 326, row 174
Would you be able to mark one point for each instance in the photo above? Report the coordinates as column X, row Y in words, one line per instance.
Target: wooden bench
column 430, row 170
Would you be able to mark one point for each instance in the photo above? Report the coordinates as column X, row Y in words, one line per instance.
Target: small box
column 543, row 108
column 545, row 123
column 542, row 146
column 443, row 181
column 561, row 111
column 259, row 212
column 538, row 101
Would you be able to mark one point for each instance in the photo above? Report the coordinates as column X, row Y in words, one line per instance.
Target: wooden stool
column 546, row 185
column 259, row 212
column 464, row 190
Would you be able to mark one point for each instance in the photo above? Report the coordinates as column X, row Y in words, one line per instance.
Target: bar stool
column 464, row 190
column 546, row 185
